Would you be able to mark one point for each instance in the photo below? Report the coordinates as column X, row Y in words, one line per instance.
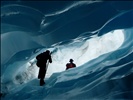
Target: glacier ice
column 97, row 35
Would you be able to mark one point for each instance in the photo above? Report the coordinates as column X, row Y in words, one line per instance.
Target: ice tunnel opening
column 80, row 51
column 84, row 51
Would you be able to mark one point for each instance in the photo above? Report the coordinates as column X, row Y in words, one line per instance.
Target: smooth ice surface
column 96, row 34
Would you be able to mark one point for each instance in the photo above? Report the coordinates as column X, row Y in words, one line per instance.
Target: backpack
column 39, row 58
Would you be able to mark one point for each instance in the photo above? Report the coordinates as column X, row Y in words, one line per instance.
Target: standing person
column 42, row 64
column 70, row 65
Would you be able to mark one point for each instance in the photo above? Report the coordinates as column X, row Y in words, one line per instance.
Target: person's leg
column 44, row 73
column 39, row 74
column 42, row 78
column 42, row 82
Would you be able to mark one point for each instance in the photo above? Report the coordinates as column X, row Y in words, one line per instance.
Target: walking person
column 42, row 60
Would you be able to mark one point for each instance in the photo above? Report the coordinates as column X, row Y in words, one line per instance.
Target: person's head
column 47, row 51
column 71, row 60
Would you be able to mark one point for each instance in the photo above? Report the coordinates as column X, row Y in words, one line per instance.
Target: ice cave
column 97, row 34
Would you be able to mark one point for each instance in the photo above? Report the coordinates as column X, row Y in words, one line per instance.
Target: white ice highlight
column 90, row 49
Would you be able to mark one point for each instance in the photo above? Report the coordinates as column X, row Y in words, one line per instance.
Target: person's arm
column 74, row 65
column 66, row 66
column 50, row 59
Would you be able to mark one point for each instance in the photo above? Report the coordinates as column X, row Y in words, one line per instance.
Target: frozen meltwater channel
column 84, row 51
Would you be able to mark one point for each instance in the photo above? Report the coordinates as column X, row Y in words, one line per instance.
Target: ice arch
column 84, row 51
column 81, row 50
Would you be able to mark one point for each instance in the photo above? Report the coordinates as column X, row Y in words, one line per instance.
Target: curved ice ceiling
column 35, row 29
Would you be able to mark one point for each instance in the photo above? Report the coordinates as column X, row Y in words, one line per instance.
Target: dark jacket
column 41, row 63
column 42, row 59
